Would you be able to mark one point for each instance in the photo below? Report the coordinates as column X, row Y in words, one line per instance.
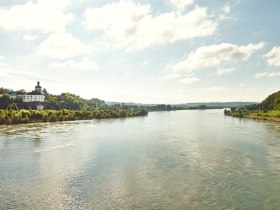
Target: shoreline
column 272, row 119
column 14, row 117
column 65, row 121
column 260, row 118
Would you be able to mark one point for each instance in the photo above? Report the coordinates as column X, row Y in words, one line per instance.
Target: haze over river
column 167, row 160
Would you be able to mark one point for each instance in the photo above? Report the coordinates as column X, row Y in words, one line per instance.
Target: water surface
column 168, row 160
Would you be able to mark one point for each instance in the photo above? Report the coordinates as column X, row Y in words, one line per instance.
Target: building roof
column 34, row 93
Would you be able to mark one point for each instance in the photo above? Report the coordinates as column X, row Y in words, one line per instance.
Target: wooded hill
column 54, row 102
column 272, row 102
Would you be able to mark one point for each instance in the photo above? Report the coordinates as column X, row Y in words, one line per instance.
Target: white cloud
column 29, row 37
column 267, row 74
column 130, row 24
column 7, row 70
column 189, row 81
column 170, row 76
column 225, row 17
column 44, row 16
column 210, row 89
column 273, row 57
column 4, row 67
column 62, row 46
column 84, row 64
column 181, row 4
column 145, row 63
column 223, row 71
column 215, row 55
column 226, row 9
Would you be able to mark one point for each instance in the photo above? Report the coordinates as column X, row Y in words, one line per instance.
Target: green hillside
column 53, row 102
column 272, row 102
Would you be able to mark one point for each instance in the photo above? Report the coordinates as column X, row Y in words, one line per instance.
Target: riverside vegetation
column 63, row 107
column 268, row 109
column 12, row 116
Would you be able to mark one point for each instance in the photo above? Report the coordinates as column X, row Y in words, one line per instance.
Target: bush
column 53, row 117
column 45, row 118
column 25, row 119
column 16, row 118
column 122, row 113
column 61, row 118
column 2, row 117
column 24, row 116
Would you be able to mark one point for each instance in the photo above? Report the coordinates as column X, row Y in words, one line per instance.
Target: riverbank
column 32, row 116
column 273, row 116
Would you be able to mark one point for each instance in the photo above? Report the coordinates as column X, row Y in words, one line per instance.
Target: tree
column 53, row 117
column 5, row 101
column 233, row 109
column 13, row 106
column 44, row 91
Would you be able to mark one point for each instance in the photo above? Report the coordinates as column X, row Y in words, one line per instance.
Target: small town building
column 33, row 96
column 13, row 95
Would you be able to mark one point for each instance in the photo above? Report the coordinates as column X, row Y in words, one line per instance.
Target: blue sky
column 160, row 51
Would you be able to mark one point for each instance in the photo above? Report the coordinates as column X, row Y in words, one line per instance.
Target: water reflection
column 169, row 160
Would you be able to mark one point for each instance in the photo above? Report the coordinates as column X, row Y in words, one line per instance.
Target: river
column 167, row 160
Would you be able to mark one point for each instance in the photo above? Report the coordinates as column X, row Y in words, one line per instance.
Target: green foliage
column 36, row 115
column 272, row 102
column 25, row 116
column 63, row 107
column 272, row 114
column 5, row 101
column 13, row 106
column 52, row 102
column 72, row 102
column 269, row 108
column 25, row 119
column 45, row 117
column 61, row 118
column 5, row 90
column 226, row 112
column 16, row 118
column 233, row 109
column 53, row 117
column 2, row 116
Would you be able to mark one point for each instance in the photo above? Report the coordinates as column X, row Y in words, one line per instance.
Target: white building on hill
column 33, row 96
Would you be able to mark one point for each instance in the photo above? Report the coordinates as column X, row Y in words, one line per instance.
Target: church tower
column 38, row 88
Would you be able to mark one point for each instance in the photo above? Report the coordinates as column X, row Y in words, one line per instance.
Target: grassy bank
column 259, row 115
column 30, row 116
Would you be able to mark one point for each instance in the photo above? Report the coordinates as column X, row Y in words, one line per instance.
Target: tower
column 38, row 88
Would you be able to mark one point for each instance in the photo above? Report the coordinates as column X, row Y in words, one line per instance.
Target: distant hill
column 272, row 102
column 218, row 104
column 190, row 105
column 53, row 102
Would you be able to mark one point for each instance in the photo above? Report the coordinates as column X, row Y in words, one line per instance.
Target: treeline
column 234, row 112
column 272, row 102
column 54, row 102
column 273, row 115
column 12, row 116
column 164, row 107
column 72, row 102
column 268, row 109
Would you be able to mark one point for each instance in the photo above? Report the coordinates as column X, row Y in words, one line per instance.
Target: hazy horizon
column 151, row 52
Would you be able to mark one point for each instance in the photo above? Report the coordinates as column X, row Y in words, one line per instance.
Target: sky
column 159, row 51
